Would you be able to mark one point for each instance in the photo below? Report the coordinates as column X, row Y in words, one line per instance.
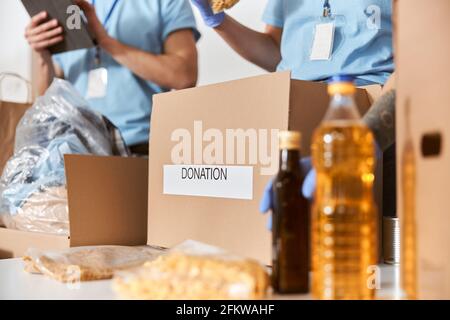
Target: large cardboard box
column 107, row 199
column 214, row 148
column 423, row 64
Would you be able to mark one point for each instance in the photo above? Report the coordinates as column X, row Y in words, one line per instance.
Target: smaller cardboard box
column 225, row 136
column 107, row 199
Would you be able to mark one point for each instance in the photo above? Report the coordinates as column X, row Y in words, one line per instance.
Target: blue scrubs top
column 143, row 24
column 363, row 38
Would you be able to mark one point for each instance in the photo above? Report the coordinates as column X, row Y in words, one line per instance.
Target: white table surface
column 16, row 284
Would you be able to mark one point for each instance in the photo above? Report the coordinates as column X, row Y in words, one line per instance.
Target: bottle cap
column 341, row 84
column 290, row 140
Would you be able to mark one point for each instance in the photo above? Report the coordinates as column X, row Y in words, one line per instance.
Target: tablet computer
column 74, row 38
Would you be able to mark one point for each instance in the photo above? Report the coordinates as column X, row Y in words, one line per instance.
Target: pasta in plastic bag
column 194, row 271
column 32, row 186
column 87, row 263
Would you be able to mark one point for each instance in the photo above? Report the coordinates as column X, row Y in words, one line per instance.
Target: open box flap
column 309, row 102
column 107, row 200
column 236, row 225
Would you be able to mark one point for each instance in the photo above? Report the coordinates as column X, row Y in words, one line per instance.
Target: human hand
column 94, row 24
column 309, row 184
column 308, row 189
column 211, row 20
column 41, row 34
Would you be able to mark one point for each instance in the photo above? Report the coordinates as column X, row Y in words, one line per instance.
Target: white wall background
column 217, row 61
column 15, row 55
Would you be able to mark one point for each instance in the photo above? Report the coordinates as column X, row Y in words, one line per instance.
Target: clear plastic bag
column 88, row 263
column 194, row 271
column 59, row 123
column 221, row 5
column 45, row 211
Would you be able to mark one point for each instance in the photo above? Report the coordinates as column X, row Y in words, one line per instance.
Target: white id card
column 97, row 83
column 322, row 47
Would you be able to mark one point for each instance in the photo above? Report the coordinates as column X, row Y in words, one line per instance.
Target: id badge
column 97, row 83
column 323, row 41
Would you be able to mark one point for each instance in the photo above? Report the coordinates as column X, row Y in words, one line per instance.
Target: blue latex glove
column 308, row 188
column 211, row 20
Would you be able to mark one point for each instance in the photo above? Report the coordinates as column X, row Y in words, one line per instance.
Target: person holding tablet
column 143, row 48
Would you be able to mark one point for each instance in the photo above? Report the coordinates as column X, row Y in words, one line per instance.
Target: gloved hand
column 308, row 189
column 211, row 20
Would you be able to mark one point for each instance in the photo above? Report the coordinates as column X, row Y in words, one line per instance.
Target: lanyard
column 108, row 16
column 326, row 9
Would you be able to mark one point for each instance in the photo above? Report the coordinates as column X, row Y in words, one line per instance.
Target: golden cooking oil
column 344, row 215
column 408, row 232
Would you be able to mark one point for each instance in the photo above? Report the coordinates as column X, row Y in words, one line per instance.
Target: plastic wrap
column 45, row 211
column 221, row 5
column 87, row 263
column 194, row 271
column 59, row 123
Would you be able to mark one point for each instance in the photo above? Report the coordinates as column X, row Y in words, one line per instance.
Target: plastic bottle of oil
column 290, row 267
column 344, row 215
column 408, row 232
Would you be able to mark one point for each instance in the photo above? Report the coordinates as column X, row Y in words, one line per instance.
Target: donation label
column 231, row 182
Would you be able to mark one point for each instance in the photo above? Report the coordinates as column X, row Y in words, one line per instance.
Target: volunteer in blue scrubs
column 144, row 47
column 360, row 38
column 317, row 39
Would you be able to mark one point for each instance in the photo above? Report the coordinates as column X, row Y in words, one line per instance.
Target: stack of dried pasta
column 180, row 276
column 221, row 5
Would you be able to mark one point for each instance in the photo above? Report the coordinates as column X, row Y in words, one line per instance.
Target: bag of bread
column 221, row 5
column 88, row 263
column 194, row 271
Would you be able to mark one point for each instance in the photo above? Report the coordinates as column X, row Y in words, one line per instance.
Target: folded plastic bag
column 88, row 263
column 221, row 5
column 194, row 271
column 59, row 123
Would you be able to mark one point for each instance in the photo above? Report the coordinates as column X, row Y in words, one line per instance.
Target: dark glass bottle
column 290, row 230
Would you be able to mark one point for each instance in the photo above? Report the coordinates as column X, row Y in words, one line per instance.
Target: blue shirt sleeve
column 176, row 15
column 273, row 14
column 58, row 59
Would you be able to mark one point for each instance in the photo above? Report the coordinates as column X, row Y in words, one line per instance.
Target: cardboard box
column 423, row 83
column 194, row 126
column 107, row 199
column 10, row 115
